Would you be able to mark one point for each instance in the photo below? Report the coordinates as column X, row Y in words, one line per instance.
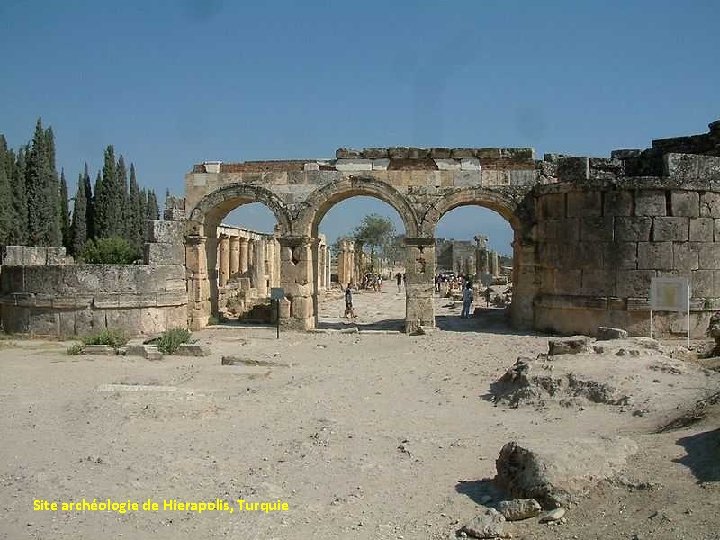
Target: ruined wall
column 69, row 300
column 603, row 234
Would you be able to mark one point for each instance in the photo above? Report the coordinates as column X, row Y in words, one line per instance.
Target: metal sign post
column 277, row 294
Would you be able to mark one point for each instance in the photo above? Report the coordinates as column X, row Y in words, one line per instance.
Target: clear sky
column 174, row 82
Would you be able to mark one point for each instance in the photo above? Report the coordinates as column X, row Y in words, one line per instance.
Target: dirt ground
column 364, row 435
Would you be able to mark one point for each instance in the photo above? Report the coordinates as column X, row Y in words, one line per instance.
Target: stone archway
column 202, row 243
column 516, row 214
column 320, row 201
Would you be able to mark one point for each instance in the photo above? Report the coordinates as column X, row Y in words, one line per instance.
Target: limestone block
column 445, row 164
column 709, row 255
column 569, row 230
column 460, row 153
column 165, row 253
column 354, row 165
column 701, row 283
column 297, row 289
column 596, row 229
column 171, row 232
column 685, row 256
column 702, row 230
column 568, row 281
column 569, row 345
column 312, row 166
column 620, row 255
column 618, row 203
column 285, row 305
column 488, row 153
column 685, row 167
column 585, row 254
column 56, row 255
column 345, row 153
column 467, row 178
column 523, row 177
column 380, row 164
column 605, row 333
column 650, row 203
column 573, row 169
column 655, row 255
column 470, row 164
column 670, row 228
column 633, row 229
column 597, row 282
column 440, row 153
column 634, row 283
column 716, row 283
column 685, row 203
column 192, row 349
column 552, row 206
column 584, row 204
column 710, row 205
column 489, row 523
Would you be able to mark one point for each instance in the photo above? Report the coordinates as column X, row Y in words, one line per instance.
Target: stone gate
column 589, row 233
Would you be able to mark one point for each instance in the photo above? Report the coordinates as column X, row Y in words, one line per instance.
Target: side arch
column 499, row 202
column 211, row 209
column 320, row 201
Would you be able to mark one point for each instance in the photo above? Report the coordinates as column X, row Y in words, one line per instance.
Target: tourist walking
column 398, row 278
column 467, row 300
column 349, row 303
column 488, row 292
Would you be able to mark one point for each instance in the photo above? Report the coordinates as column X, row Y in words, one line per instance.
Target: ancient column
column 494, row 264
column 420, row 286
column 198, row 283
column 224, row 260
column 243, row 254
column 234, row 255
column 296, row 274
column 342, row 263
column 480, row 257
column 251, row 251
column 259, row 268
column 276, row 263
column 524, row 284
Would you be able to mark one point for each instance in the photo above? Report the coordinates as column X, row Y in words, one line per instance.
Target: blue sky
column 174, row 82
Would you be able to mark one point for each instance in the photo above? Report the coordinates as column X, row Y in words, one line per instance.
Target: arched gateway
column 589, row 233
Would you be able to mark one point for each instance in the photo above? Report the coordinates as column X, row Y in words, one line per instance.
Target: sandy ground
column 368, row 435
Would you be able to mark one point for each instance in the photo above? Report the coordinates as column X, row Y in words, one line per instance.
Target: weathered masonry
column 589, row 233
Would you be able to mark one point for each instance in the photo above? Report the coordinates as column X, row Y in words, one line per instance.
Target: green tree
column 113, row 250
column 90, row 204
column 375, row 232
column 121, row 196
column 64, row 211
column 41, row 185
column 135, row 216
column 79, row 226
column 19, row 229
column 153, row 212
column 108, row 199
column 7, row 213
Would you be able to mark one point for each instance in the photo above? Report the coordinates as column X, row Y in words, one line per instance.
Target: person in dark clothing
column 349, row 303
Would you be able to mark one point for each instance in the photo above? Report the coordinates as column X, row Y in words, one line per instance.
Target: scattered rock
column 554, row 474
column 569, row 345
column 351, row 330
column 553, row 515
column 517, row 509
column 192, row 349
column 149, row 352
column 419, row 331
column 605, row 333
column 489, row 524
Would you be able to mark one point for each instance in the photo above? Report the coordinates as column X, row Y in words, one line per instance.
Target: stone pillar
column 234, row 255
column 494, row 264
column 296, row 275
column 269, row 258
column 197, row 282
column 251, row 252
column 259, row 268
column 420, row 287
column 480, row 257
column 522, row 310
column 224, row 260
column 276, row 263
column 243, row 254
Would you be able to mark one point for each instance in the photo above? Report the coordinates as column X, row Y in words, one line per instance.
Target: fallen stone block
column 556, row 474
column 553, row 515
column 569, row 345
column 152, row 353
column 518, row 509
column 192, row 349
column 99, row 349
column 489, row 524
column 605, row 333
column 149, row 352
column 351, row 330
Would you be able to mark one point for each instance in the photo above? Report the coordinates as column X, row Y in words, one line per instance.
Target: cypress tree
column 121, row 198
column 42, row 191
column 108, row 209
column 98, row 207
column 89, row 205
column 64, row 211
column 135, row 217
column 7, row 213
column 55, row 228
column 79, row 228
column 152, row 209
column 19, row 230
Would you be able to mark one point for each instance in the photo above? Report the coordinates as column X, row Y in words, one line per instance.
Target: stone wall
column 70, row 300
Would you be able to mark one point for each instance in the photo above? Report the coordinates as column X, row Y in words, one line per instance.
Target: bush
column 169, row 341
column 113, row 250
column 114, row 338
column 75, row 349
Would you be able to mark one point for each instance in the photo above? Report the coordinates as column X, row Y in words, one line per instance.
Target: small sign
column 669, row 294
column 277, row 293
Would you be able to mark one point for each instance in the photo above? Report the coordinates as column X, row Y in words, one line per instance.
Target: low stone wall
column 73, row 300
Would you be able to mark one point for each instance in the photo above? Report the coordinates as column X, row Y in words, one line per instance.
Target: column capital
column 195, row 239
column 294, row 241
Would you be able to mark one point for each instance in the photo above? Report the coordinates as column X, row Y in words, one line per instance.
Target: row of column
column 486, row 261
column 346, row 263
column 323, row 265
column 237, row 255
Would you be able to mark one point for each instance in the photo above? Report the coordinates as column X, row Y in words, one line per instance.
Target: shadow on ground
column 703, row 455
column 491, row 320
column 479, row 490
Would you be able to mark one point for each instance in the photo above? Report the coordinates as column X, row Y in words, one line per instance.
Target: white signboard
column 669, row 294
